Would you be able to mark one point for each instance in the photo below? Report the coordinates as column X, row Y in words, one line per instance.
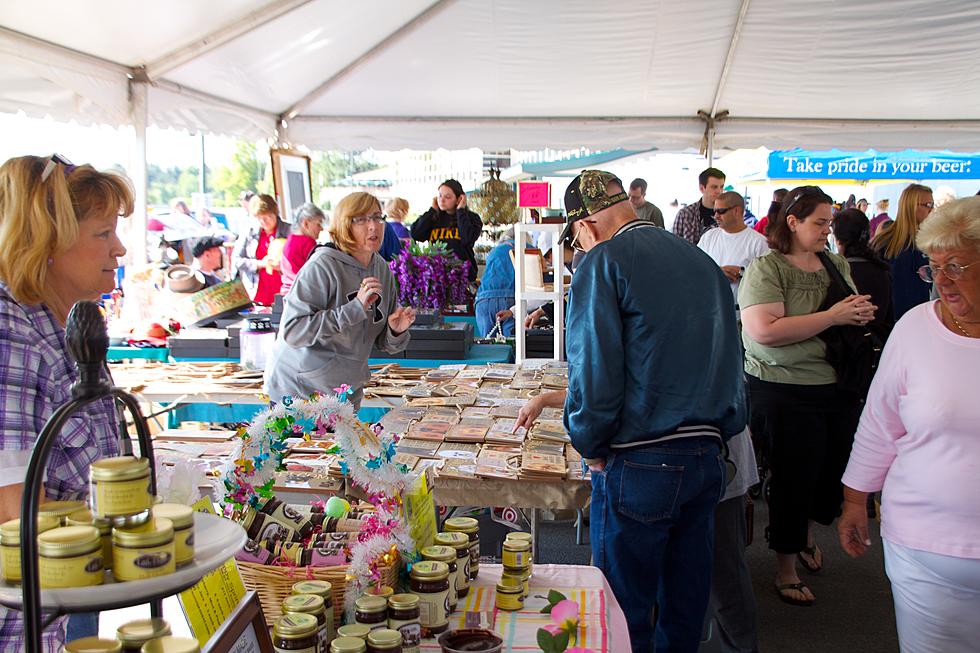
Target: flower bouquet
column 430, row 277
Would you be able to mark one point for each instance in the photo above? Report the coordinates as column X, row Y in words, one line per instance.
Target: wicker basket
column 273, row 584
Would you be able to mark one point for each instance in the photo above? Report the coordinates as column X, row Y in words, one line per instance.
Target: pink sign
column 533, row 194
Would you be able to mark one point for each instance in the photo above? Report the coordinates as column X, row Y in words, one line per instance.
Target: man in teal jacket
column 654, row 390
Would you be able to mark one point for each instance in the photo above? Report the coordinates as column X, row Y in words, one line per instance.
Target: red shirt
column 294, row 255
column 269, row 284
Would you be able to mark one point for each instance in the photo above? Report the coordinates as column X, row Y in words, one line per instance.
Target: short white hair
column 953, row 225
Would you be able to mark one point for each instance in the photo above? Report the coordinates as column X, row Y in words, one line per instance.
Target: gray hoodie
column 326, row 334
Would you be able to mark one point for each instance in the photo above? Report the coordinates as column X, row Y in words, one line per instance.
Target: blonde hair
column 895, row 237
column 397, row 208
column 953, row 225
column 39, row 217
column 263, row 204
column 341, row 226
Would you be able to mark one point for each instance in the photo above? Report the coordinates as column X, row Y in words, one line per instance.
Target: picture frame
column 292, row 180
column 244, row 631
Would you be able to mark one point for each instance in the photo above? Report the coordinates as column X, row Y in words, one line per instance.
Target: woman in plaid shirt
column 58, row 246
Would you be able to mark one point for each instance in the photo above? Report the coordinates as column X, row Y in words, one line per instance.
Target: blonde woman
column 895, row 242
column 343, row 302
column 397, row 210
column 881, row 218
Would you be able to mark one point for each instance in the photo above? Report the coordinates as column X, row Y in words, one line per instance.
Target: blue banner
column 909, row 164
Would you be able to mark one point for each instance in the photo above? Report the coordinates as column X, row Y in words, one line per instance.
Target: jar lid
column 509, row 588
column 403, row 601
column 92, row 645
column 182, row 516
column 120, row 468
column 85, row 518
column 139, row 632
column 153, row 533
column 68, row 541
column 360, row 631
column 295, row 625
column 518, row 535
column 60, row 508
column 462, row 524
column 307, row 603
column 517, row 545
column 318, row 587
column 430, row 570
column 348, row 645
column 443, row 553
column 379, row 590
column 453, row 539
column 170, row 644
column 384, row 637
column 369, row 603
column 10, row 530
column 516, row 572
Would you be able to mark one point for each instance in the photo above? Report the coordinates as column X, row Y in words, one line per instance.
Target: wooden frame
column 244, row 631
column 292, row 179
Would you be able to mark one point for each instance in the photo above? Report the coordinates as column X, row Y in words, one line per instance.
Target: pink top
column 294, row 255
column 919, row 437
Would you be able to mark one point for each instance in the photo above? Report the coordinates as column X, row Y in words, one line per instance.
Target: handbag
column 853, row 351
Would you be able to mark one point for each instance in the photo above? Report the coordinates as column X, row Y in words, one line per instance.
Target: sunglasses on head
column 52, row 163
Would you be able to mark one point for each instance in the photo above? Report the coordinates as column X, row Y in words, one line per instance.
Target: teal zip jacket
column 653, row 347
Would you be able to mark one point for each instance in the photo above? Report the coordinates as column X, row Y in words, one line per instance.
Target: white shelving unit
column 522, row 295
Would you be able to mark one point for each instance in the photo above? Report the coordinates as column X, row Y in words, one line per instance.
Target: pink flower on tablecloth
column 552, row 628
column 565, row 615
column 579, row 649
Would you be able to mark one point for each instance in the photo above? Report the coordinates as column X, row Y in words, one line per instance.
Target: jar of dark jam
column 429, row 580
column 384, row 640
column 471, row 527
column 445, row 554
column 295, row 633
column 403, row 616
column 461, row 543
column 313, row 605
column 371, row 611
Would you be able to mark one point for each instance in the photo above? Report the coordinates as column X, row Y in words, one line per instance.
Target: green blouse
column 769, row 279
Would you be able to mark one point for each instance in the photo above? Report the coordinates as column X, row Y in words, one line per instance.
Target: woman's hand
column 504, row 315
column 369, row 292
column 533, row 318
column 852, row 527
column 435, row 203
column 855, row 310
column 401, row 319
column 461, row 202
column 529, row 412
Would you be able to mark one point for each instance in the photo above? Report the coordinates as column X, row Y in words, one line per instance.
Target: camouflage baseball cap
column 591, row 192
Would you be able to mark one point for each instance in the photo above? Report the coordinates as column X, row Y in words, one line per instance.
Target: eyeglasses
column 52, row 163
column 574, row 244
column 928, row 205
column 378, row 218
column 723, row 211
column 953, row 271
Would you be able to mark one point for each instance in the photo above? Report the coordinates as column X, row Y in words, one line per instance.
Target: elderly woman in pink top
column 307, row 225
column 919, row 443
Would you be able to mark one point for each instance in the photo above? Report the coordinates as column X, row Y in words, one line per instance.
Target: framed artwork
column 244, row 631
column 292, row 180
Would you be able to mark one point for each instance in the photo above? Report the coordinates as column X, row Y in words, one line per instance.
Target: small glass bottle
column 429, row 580
column 403, row 616
column 313, row 605
column 445, row 554
column 461, row 543
column 295, row 633
column 384, row 640
column 510, row 594
column 371, row 611
column 471, row 527
column 120, row 489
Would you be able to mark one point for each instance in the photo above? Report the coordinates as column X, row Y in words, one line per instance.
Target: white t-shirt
column 733, row 249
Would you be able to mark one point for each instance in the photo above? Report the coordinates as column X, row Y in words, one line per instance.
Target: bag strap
column 835, row 275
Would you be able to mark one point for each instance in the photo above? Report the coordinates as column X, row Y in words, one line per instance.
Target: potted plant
column 430, row 278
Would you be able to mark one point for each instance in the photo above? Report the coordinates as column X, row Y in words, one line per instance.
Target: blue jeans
column 82, row 624
column 652, row 533
column 486, row 315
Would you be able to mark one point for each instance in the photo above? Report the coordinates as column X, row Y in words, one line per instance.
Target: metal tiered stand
column 216, row 539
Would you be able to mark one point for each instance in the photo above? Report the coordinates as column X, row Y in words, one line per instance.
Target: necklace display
column 958, row 325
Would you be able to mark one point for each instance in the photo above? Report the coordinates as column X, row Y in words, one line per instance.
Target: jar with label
column 348, row 645
column 371, row 611
column 256, row 341
column 283, row 513
column 60, row 509
column 358, row 631
column 445, row 554
column 10, row 545
column 260, row 526
column 403, row 616
column 133, row 634
column 70, row 556
column 145, row 551
column 521, row 536
column 84, row 518
column 384, row 640
column 313, row 605
column 510, row 594
column 170, row 644
column 182, row 518
column 429, row 580
column 92, row 645
column 471, row 527
column 520, row 574
column 320, row 588
column 120, row 489
column 516, row 553
column 295, row 633
column 461, row 543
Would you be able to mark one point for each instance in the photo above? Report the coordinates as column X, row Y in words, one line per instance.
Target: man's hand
column 529, row 412
column 504, row 315
column 533, row 318
column 733, row 272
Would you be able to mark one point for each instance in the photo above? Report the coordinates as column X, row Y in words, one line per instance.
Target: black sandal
column 781, row 590
column 810, row 565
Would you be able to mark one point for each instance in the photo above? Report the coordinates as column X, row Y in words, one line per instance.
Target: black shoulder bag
column 853, row 351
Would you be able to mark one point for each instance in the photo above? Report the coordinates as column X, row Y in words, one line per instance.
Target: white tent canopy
column 388, row 74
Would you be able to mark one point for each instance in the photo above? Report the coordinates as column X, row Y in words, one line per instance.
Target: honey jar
column 510, row 594
column 70, row 556
column 403, row 616
column 120, row 489
column 182, row 518
column 10, row 545
column 384, row 640
column 133, row 634
column 60, row 509
column 429, row 580
column 461, row 543
column 170, row 644
column 84, row 518
column 92, row 645
column 145, row 551
column 471, row 527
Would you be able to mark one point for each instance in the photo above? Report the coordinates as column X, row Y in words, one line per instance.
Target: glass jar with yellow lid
column 70, row 556
column 145, row 551
column 295, row 633
column 84, row 518
column 371, row 611
column 120, row 489
column 384, row 640
column 471, row 527
column 403, row 616
column 445, row 554
column 429, row 580
column 10, row 545
column 348, row 645
column 516, row 553
column 92, row 645
column 170, row 644
column 521, row 536
column 359, row 631
column 461, row 543
column 510, row 594
column 182, row 518
column 133, row 634
column 313, row 605
column 60, row 509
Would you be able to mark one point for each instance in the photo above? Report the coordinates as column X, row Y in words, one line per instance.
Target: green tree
column 334, row 166
column 247, row 171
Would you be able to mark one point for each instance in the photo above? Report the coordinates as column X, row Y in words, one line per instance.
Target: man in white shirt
column 733, row 245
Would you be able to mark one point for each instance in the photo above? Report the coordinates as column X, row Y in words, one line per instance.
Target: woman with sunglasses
column 342, row 303
column 808, row 423
column 895, row 242
column 918, row 443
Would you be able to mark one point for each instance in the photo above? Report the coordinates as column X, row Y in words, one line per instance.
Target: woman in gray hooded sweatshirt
column 342, row 302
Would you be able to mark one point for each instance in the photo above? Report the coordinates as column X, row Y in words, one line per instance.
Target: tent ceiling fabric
column 512, row 73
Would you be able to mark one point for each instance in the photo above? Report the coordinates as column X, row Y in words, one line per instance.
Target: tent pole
column 137, row 172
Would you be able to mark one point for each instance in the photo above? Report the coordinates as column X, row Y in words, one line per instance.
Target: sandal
column 784, row 596
column 810, row 563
